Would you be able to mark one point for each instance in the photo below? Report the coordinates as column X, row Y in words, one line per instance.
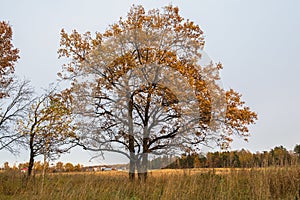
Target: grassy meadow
column 227, row 184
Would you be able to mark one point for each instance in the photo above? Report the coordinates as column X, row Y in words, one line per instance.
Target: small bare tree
column 13, row 107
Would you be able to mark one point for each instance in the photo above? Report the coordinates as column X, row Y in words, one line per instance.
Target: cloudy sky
column 257, row 41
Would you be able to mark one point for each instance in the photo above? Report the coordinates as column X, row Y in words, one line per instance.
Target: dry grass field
column 231, row 184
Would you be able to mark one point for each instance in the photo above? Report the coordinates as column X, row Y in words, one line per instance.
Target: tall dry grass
column 267, row 183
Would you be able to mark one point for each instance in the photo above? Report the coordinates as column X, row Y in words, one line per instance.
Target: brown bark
column 31, row 158
column 131, row 142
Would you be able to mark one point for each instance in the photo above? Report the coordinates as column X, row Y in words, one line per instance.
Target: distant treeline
column 278, row 156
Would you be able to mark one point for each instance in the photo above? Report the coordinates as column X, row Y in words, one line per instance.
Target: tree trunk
column 131, row 142
column 143, row 176
column 31, row 158
column 131, row 176
column 143, row 165
column 30, row 165
column 143, row 168
column 132, row 167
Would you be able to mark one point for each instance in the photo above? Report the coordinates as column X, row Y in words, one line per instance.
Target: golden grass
column 231, row 184
column 192, row 171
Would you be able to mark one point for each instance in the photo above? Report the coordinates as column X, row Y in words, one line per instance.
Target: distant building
column 97, row 168
column 106, row 168
column 24, row 170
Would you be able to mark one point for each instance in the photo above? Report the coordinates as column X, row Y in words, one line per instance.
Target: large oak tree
column 142, row 88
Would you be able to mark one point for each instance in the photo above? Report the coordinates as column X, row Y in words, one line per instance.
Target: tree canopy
column 8, row 57
column 15, row 94
column 48, row 130
column 141, row 88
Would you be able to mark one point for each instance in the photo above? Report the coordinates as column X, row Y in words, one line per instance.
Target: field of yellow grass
column 231, row 184
column 192, row 171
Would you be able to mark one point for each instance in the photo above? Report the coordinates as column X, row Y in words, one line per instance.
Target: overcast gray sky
column 256, row 40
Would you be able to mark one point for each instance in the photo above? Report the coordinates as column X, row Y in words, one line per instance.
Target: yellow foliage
column 134, row 58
